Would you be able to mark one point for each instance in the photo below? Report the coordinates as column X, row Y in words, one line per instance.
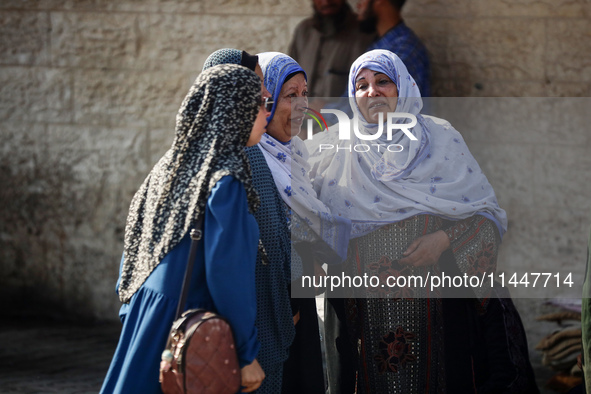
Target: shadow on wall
column 50, row 253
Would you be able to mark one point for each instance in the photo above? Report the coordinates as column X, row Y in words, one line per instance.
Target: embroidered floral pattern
column 395, row 350
column 384, row 269
column 483, row 260
column 459, row 228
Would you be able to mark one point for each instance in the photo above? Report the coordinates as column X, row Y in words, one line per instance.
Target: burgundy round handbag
column 203, row 356
column 200, row 356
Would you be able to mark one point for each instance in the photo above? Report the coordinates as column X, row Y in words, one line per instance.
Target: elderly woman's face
column 375, row 92
column 284, row 120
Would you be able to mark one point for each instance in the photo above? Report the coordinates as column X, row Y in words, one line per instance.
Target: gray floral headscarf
column 212, row 128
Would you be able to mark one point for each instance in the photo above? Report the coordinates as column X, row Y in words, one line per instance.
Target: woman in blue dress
column 205, row 172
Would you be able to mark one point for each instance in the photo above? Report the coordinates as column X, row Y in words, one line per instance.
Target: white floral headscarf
column 434, row 174
column 289, row 166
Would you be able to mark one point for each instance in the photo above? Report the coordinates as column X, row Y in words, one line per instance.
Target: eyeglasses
column 267, row 103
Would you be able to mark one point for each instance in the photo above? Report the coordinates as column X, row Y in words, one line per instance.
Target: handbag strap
column 196, row 234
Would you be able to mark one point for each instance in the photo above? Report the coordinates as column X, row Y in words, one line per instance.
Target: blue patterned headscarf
column 276, row 68
column 287, row 162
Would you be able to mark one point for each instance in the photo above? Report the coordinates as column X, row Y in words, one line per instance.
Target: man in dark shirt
column 326, row 44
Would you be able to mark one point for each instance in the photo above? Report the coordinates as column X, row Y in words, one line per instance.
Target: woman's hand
column 296, row 318
column 252, row 377
column 426, row 250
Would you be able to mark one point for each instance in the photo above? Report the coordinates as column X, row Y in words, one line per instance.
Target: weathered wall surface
column 89, row 90
column 88, row 95
column 506, row 48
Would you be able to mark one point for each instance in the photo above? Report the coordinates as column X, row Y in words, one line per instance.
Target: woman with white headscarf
column 419, row 206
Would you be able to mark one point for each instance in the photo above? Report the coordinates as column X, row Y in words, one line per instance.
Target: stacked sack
column 561, row 348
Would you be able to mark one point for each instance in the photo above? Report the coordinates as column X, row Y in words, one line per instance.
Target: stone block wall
column 507, row 48
column 89, row 90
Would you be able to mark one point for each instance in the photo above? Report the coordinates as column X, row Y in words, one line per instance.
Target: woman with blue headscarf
column 420, row 206
column 315, row 232
column 291, row 357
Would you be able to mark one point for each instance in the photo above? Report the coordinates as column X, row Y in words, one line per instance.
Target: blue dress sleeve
column 230, row 242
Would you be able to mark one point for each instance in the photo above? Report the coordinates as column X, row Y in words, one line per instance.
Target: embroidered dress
column 400, row 339
column 405, row 339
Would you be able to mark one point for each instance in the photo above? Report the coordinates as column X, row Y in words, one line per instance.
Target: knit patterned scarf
column 212, row 128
